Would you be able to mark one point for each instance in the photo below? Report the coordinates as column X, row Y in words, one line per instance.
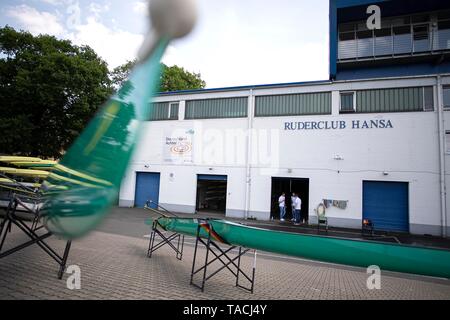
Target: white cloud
column 293, row 63
column 115, row 46
column 171, row 56
column 97, row 9
column 53, row 2
column 35, row 21
column 234, row 52
column 140, row 7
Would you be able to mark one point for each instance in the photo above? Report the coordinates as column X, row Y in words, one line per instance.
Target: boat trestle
column 229, row 257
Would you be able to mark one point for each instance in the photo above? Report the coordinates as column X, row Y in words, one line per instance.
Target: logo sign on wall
column 178, row 146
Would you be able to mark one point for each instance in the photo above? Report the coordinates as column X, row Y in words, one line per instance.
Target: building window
column 398, row 36
column 446, row 96
column 164, row 111
column 173, row 111
column 347, row 102
column 217, row 108
column 410, row 99
column 447, row 142
column 293, row 104
column 421, row 38
column 428, row 100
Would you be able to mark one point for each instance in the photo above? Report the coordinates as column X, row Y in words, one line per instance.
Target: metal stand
column 165, row 240
column 213, row 248
column 11, row 218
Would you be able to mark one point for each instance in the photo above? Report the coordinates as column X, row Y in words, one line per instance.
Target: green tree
column 172, row 78
column 49, row 89
column 176, row 78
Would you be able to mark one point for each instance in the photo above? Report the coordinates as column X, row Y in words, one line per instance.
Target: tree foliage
column 172, row 78
column 49, row 89
column 177, row 78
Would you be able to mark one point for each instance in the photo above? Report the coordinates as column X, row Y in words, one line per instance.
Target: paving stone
column 117, row 267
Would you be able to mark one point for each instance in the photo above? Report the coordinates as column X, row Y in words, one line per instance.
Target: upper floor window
column 164, row 111
column 447, row 141
column 446, row 96
column 293, row 104
column 388, row 100
column 347, row 102
column 398, row 36
column 217, row 108
column 428, row 99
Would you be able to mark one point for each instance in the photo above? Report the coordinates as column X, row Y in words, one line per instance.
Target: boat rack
column 12, row 217
column 179, row 238
column 219, row 253
column 229, row 258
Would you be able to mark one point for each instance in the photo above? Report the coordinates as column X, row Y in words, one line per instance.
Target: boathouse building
column 371, row 142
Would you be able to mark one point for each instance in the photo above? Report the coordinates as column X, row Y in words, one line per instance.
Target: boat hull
column 360, row 253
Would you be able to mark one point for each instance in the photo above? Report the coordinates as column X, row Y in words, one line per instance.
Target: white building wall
column 408, row 152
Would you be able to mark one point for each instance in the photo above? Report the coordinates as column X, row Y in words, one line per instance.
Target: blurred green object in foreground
column 92, row 169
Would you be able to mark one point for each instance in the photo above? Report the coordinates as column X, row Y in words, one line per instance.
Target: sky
column 234, row 43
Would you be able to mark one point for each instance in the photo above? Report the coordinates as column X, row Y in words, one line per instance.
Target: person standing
column 293, row 206
column 298, row 207
column 303, row 214
column 282, row 205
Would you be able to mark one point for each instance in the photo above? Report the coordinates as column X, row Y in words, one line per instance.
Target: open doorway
column 289, row 185
column 211, row 193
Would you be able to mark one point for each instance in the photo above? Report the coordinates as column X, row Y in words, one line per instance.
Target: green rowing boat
column 360, row 253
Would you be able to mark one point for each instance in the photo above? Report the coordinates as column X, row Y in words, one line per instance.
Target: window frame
column 424, row 100
column 447, row 135
column 169, row 110
column 445, row 107
column 354, row 101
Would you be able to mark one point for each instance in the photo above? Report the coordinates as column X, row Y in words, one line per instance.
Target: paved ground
column 114, row 265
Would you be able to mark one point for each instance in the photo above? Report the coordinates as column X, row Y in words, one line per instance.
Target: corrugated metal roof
column 249, row 87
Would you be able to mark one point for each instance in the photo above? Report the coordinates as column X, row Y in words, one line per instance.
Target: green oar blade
column 92, row 169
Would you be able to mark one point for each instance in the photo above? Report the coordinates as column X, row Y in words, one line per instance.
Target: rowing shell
column 360, row 253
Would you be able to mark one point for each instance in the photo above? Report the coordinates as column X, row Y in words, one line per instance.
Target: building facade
column 372, row 142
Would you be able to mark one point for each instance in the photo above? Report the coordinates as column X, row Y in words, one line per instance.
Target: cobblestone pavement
column 116, row 267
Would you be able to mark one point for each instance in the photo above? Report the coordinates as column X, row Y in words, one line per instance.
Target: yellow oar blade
column 8, row 159
column 24, row 172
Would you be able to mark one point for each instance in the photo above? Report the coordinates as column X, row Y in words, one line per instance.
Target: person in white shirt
column 298, row 207
column 282, row 205
column 293, row 206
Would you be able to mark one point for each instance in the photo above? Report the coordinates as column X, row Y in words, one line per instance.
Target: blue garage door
column 147, row 188
column 386, row 204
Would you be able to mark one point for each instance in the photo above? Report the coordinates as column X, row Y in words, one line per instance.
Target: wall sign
column 338, row 125
column 178, row 146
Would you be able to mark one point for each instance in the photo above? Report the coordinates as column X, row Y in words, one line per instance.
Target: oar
column 96, row 162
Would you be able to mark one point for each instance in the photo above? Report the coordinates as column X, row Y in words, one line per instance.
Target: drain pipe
column 248, row 178
column 442, row 157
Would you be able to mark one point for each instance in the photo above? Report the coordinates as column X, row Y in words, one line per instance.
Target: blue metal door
column 147, row 188
column 386, row 204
